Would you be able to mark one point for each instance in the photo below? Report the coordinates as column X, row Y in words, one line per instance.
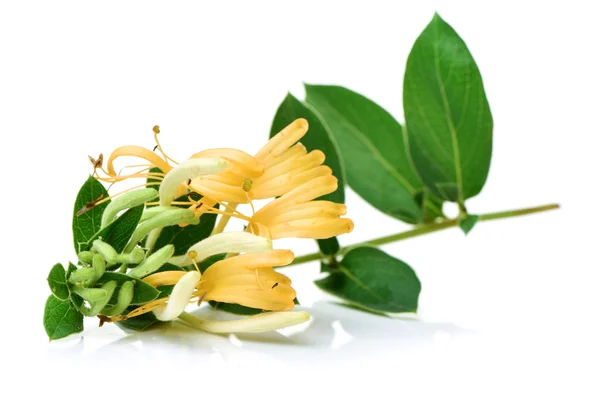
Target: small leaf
column 87, row 216
column 142, row 292
column 372, row 144
column 140, row 323
column 447, row 114
column 61, row 318
column 186, row 237
column 467, row 223
column 58, row 282
column 329, row 246
column 371, row 279
column 118, row 232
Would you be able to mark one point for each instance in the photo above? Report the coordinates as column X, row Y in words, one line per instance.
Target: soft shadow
column 333, row 330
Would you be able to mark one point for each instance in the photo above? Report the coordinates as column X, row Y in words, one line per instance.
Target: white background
column 508, row 312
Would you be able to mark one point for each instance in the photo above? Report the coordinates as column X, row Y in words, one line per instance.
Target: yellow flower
column 295, row 214
column 247, row 279
column 277, row 168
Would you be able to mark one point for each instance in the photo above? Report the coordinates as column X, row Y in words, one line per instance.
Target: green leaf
column 118, row 232
column 467, row 223
column 61, row 318
column 329, row 246
column 371, row 279
column 447, row 114
column 373, row 149
column 87, row 223
column 186, row 237
column 58, row 282
column 142, row 292
column 140, row 323
column 318, row 137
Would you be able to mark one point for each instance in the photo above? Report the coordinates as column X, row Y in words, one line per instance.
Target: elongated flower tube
column 125, row 201
column 254, row 324
column 295, row 214
column 179, row 298
column 277, row 168
column 249, row 280
column 227, row 242
column 188, row 169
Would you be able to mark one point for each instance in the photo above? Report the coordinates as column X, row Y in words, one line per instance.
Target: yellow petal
column 283, row 140
column 240, row 162
column 313, row 229
column 136, row 151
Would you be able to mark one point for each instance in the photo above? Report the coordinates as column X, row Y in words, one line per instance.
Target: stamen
column 156, row 130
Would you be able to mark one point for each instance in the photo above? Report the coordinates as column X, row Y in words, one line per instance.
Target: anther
column 275, row 285
column 156, row 129
column 247, row 185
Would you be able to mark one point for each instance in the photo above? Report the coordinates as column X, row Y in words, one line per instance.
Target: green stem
column 430, row 228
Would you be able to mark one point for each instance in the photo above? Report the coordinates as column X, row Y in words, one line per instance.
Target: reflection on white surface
column 333, row 330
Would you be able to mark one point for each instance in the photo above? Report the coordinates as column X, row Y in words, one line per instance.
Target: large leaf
column 142, row 292
column 373, row 148
column 87, row 216
column 448, row 118
column 61, row 318
column 371, row 279
column 318, row 137
column 118, row 232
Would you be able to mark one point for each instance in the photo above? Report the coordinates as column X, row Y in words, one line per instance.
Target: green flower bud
column 82, row 275
column 125, row 201
column 105, row 250
column 97, row 305
column 123, row 301
column 85, row 257
column 136, row 256
column 167, row 218
column 153, row 262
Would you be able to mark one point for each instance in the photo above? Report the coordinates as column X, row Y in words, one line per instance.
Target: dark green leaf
column 318, row 137
column 206, row 263
column 58, row 282
column 87, row 223
column 447, row 114
column 118, row 232
column 235, row 308
column 61, row 318
column 369, row 278
column 140, row 323
column 329, row 246
column 186, row 237
column 467, row 223
column 373, row 149
column 142, row 292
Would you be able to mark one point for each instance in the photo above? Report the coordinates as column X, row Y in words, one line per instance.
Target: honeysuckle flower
column 254, row 324
column 247, row 279
column 278, row 167
column 227, row 242
column 296, row 214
